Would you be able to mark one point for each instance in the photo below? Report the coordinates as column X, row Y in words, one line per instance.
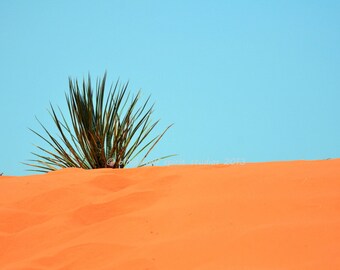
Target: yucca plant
column 106, row 131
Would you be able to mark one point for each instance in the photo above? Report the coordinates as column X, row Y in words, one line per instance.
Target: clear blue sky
column 241, row 80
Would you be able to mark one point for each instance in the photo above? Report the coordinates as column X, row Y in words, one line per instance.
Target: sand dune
column 278, row 215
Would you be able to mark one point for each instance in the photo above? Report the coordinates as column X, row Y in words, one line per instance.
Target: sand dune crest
column 278, row 215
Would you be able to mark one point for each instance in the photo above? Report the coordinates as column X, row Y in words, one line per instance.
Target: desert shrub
column 106, row 130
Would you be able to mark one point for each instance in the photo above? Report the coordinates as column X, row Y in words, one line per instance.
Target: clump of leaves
column 106, row 131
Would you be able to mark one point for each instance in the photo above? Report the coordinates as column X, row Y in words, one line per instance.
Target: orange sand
column 279, row 215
